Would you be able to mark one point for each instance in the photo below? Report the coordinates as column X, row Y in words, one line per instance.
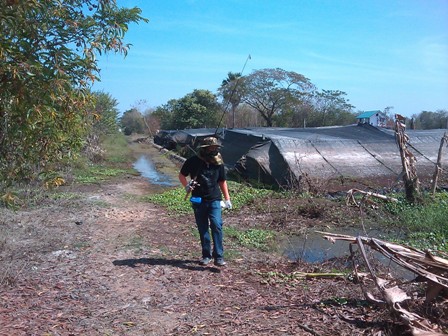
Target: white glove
column 227, row 204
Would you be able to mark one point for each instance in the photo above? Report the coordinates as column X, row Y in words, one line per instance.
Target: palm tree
column 232, row 92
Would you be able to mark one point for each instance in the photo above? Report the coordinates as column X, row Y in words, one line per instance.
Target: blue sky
column 380, row 52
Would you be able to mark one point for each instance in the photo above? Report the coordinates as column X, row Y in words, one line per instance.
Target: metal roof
column 367, row 114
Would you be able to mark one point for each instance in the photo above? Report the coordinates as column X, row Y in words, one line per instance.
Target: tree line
column 429, row 120
column 264, row 98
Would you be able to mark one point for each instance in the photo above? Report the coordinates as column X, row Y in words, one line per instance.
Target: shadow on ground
column 184, row 264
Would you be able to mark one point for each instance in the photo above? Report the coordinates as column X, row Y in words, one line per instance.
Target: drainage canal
column 147, row 169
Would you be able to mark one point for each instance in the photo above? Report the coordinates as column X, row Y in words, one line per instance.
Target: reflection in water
column 146, row 168
column 311, row 247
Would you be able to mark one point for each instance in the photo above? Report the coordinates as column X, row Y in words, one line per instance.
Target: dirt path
column 100, row 262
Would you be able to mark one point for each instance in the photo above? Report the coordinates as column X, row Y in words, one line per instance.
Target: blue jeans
column 208, row 213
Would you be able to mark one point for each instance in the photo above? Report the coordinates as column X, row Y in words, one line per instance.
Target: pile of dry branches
column 430, row 268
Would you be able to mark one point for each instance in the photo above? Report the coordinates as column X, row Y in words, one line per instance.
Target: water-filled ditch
column 146, row 168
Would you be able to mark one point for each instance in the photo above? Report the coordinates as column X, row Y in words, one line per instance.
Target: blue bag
column 195, row 199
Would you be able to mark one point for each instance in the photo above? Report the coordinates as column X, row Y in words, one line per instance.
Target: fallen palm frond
column 432, row 268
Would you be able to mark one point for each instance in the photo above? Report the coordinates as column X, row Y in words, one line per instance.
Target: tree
column 102, row 120
column 132, row 122
column 152, row 124
column 272, row 91
column 331, row 108
column 232, row 90
column 48, row 61
column 431, row 120
column 164, row 114
column 303, row 115
column 247, row 117
column 195, row 110
column 152, row 121
column 105, row 114
column 390, row 117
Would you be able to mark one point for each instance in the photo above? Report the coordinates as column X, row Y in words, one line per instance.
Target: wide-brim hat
column 210, row 141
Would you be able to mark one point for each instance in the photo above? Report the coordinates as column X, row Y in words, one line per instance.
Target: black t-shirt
column 207, row 175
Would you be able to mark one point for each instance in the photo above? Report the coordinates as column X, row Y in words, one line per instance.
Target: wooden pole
column 438, row 169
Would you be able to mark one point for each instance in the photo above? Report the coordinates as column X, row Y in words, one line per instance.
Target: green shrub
column 426, row 223
column 116, row 148
column 174, row 199
column 252, row 238
column 97, row 173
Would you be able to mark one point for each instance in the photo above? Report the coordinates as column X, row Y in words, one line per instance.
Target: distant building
column 375, row 118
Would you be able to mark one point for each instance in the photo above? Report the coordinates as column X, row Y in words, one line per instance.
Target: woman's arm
column 224, row 189
column 183, row 180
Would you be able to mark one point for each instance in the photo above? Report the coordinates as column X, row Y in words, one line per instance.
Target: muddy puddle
column 312, row 248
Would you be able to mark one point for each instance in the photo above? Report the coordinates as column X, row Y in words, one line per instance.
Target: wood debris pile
column 430, row 268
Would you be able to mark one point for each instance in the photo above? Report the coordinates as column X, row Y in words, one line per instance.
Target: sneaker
column 220, row 262
column 205, row 261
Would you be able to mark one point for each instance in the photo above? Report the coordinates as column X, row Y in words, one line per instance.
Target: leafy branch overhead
column 48, row 61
